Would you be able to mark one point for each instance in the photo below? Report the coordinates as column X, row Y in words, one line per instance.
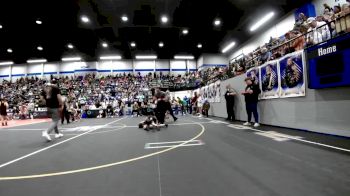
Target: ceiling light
column 85, row 19
column 0, row 26
column 9, row 50
column 104, row 44
column 38, row 22
column 228, row 47
column 146, row 57
column 133, row 44
column 125, row 18
column 183, row 57
column 217, row 22
column 70, row 46
column 199, row 46
column 164, row 19
column 185, row 31
column 40, row 48
column 116, row 57
column 71, row 58
column 161, row 44
column 37, row 61
column 262, row 21
column 6, row 63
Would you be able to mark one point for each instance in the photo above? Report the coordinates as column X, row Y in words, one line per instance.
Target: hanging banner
column 204, row 92
column 292, row 75
column 254, row 74
column 217, row 87
column 269, row 80
column 211, row 93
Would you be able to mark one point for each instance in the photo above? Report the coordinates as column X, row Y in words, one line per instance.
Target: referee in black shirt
column 54, row 105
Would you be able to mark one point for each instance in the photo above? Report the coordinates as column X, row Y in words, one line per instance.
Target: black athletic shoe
column 175, row 119
column 166, row 125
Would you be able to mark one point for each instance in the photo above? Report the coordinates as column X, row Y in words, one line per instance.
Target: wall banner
column 269, row 80
column 292, row 75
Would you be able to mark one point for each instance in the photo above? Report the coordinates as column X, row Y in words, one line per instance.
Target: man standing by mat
column 251, row 95
column 54, row 106
column 230, row 103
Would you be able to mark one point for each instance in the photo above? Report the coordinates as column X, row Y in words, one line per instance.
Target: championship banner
column 217, row 87
column 292, row 75
column 254, row 74
column 269, row 80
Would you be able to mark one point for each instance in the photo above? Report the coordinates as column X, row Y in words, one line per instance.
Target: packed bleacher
column 90, row 94
column 307, row 31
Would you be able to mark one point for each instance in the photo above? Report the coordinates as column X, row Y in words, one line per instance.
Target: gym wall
column 324, row 110
column 176, row 67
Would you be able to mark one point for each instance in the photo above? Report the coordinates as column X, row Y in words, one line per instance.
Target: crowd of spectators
column 115, row 94
column 306, row 32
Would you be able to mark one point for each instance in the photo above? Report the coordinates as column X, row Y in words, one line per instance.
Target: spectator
column 206, row 107
column 251, row 95
column 3, row 111
column 328, row 15
column 135, row 108
column 265, row 55
column 230, row 103
column 318, row 32
column 298, row 41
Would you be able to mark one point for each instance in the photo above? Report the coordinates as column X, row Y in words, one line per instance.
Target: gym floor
column 193, row 156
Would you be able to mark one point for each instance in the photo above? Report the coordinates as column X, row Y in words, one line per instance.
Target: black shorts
column 148, row 122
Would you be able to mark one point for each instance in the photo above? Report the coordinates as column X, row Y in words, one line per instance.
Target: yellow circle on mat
column 105, row 165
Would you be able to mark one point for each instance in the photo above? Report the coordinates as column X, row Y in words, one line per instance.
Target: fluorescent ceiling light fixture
column 104, row 44
column 77, row 58
column 85, row 19
column 262, row 21
column 9, row 50
column 164, row 19
column 228, row 47
column 40, row 48
column 6, row 63
column 161, row 44
column 38, row 22
column 185, row 31
column 70, row 46
column 183, row 57
column 115, row 57
column 146, row 56
column 37, row 61
column 217, row 22
column 199, row 46
column 133, row 44
column 124, row 18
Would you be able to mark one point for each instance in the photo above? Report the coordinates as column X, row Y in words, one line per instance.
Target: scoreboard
column 329, row 63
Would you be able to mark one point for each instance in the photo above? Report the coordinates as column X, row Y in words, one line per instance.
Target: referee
column 54, row 106
column 230, row 103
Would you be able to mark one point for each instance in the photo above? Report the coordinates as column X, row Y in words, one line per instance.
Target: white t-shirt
column 200, row 101
column 319, row 34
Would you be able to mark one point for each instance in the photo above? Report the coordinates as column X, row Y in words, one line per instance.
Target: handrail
column 246, row 63
column 303, row 35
